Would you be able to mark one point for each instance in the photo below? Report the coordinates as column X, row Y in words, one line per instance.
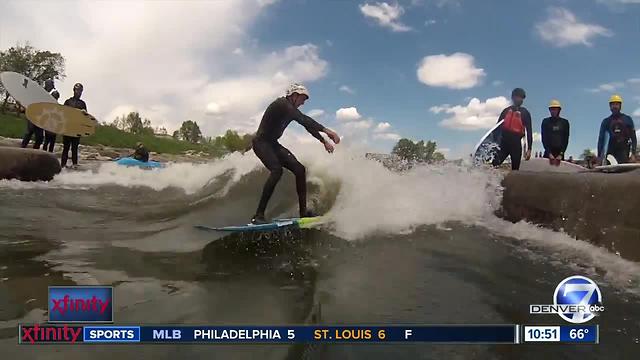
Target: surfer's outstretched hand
column 332, row 135
column 329, row 147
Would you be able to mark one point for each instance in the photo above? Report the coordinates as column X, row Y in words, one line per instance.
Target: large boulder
column 27, row 164
column 601, row 208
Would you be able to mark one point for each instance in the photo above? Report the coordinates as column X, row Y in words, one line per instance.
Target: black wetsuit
column 510, row 144
column 275, row 156
column 49, row 137
column 555, row 136
column 31, row 130
column 72, row 142
column 622, row 140
column 141, row 154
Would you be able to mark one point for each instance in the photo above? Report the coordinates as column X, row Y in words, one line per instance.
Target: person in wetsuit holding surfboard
column 555, row 134
column 32, row 129
column 72, row 142
column 517, row 119
column 622, row 134
column 275, row 156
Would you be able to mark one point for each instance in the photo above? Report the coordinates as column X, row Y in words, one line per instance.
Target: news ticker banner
column 447, row 334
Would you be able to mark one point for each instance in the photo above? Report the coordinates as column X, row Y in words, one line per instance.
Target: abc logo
column 580, row 291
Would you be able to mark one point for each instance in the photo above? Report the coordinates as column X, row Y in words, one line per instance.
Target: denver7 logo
column 582, row 291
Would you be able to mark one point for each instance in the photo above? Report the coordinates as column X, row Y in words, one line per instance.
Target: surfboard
column 129, row 161
column 24, row 90
column 617, row 168
column 62, row 120
column 274, row 225
column 488, row 146
column 543, row 165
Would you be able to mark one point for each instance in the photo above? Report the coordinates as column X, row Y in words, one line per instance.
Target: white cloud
column 385, row 15
column 564, row 29
column 267, row 2
column 608, row 87
column 238, row 51
column 456, row 71
column 634, row 81
column 359, row 125
column 537, row 137
column 346, row 89
column 382, row 127
column 315, row 113
column 182, row 72
column 348, row 114
column 387, row 136
column 475, row 115
column 430, row 22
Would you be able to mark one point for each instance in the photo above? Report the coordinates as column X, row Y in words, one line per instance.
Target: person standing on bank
column 71, row 142
column 517, row 121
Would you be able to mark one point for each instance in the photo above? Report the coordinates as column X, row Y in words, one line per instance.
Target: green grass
column 15, row 127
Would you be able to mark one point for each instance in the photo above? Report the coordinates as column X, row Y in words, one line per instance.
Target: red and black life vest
column 513, row 122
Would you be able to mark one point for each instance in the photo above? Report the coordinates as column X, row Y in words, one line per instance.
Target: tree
column 232, row 141
column 419, row 152
column 587, row 153
column 190, row 131
column 161, row 130
column 176, row 135
column 37, row 65
column 133, row 123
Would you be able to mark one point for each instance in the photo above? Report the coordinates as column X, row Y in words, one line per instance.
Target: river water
column 422, row 246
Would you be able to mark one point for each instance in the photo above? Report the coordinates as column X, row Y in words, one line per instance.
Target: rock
column 600, row 208
column 27, row 164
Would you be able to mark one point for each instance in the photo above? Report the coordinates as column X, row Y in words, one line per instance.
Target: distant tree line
column 419, row 151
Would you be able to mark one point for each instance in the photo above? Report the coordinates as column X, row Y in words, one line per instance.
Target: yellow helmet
column 615, row 98
column 555, row 104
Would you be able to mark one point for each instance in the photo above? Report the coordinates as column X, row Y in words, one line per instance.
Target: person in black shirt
column 72, row 142
column 555, row 134
column 140, row 153
column 275, row 156
column 517, row 120
column 33, row 129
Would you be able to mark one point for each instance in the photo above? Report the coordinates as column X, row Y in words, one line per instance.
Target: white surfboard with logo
column 24, row 90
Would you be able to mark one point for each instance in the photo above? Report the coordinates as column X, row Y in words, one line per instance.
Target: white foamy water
column 372, row 199
column 186, row 176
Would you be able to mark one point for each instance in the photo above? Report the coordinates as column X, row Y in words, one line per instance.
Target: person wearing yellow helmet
column 274, row 156
column 555, row 134
column 622, row 134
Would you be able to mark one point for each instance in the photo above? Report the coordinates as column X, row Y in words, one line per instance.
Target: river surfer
column 274, row 156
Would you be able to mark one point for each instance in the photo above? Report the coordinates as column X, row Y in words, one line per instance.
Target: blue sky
column 380, row 63
column 423, row 69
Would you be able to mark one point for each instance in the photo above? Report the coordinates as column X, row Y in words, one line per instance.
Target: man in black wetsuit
column 555, row 134
column 72, row 142
column 33, row 129
column 517, row 121
column 275, row 156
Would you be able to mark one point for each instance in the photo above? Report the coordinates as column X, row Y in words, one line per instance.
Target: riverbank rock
column 27, row 164
column 600, row 208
